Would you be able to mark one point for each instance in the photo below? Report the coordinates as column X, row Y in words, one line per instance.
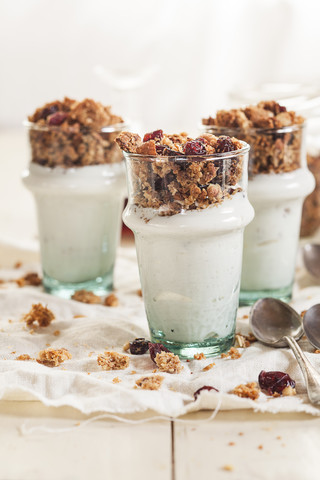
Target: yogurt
column 79, row 218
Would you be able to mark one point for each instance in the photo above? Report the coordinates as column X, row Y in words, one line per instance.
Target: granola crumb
column 85, row 296
column 260, row 447
column 132, row 372
column 245, row 317
column 228, row 468
column 317, row 351
column 208, row 367
column 48, row 345
column 244, row 341
column 116, row 380
column 113, row 361
column 289, row 391
column 153, row 382
column 302, row 314
column 199, row 356
column 155, row 370
column 24, row 357
column 17, row 265
column 233, row 354
column 10, row 321
column 88, row 373
column 31, row 278
column 240, row 433
column 78, row 316
column 168, row 362
column 40, row 314
column 13, row 352
column 32, row 331
column 56, row 333
column 52, row 357
column 279, row 437
column 231, row 444
column 111, row 300
column 126, row 347
column 250, row 390
column 139, row 292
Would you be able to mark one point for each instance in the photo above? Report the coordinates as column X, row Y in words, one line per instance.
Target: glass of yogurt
column 188, row 208
column 279, row 180
column 77, row 177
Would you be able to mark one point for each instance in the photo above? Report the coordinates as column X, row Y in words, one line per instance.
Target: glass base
column 210, row 348
column 249, row 297
column 99, row 286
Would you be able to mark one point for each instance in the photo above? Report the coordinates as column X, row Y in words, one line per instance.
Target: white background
column 163, row 63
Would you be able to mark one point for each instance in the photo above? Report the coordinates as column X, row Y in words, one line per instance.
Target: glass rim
column 114, row 128
column 188, row 158
column 268, row 131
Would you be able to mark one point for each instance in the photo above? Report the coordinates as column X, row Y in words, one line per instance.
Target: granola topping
column 40, row 314
column 181, row 172
column 152, row 382
column 270, row 151
column 113, row 361
column 168, row 362
column 52, row 357
column 69, row 133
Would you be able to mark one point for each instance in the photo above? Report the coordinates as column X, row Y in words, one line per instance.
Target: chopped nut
column 32, row 279
column 289, row 391
column 111, row 300
column 116, row 380
column 199, row 356
column 40, row 314
column 56, row 333
column 244, row 341
column 250, row 390
column 132, row 372
column 153, row 382
column 260, row 447
column 24, row 357
column 78, row 316
column 126, row 347
column 233, row 354
column 231, row 444
column 228, row 468
column 302, row 314
column 52, row 357
column 113, row 361
column 168, row 362
column 208, row 367
column 17, row 265
column 85, row 296
column 317, row 351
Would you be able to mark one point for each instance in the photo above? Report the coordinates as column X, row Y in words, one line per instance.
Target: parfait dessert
column 77, row 177
column 188, row 208
column 279, row 180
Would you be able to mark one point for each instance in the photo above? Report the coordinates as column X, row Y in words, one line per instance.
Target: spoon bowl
column 311, row 324
column 271, row 320
column 311, row 259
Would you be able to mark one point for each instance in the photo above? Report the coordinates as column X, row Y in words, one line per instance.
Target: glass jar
column 278, row 183
column 78, row 182
column 189, row 236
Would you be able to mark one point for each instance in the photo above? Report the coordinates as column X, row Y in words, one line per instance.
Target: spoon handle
column 311, row 376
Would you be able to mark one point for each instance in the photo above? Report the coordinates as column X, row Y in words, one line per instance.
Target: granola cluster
column 52, row 357
column 310, row 221
column 250, row 390
column 152, row 382
column 113, row 361
column 31, row 279
column 168, row 362
column 69, row 133
column 40, row 314
column 271, row 151
column 171, row 173
column 85, row 296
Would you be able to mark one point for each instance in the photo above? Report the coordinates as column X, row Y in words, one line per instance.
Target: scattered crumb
column 56, row 333
column 245, row 316
column 40, row 314
column 24, row 357
column 90, row 354
column 13, row 352
column 168, row 362
column 279, row 437
column 317, row 351
column 78, row 316
column 139, row 292
column 77, row 424
column 150, row 383
column 32, row 279
column 250, row 390
column 111, row 300
column 133, row 372
column 155, row 370
column 48, row 344
column 126, row 347
column 233, row 354
column 244, row 341
column 289, row 391
column 52, row 357
column 113, row 361
column 260, row 447
column 88, row 373
column 116, row 380
column 17, row 265
column 199, row 356
column 231, row 444
column 240, row 433
column 32, row 331
column 10, row 321
column 302, row 314
column 228, row 468
column 208, row 367
column 85, row 296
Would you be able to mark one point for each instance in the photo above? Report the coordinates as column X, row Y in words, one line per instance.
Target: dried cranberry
column 155, row 348
column 139, row 346
column 195, row 147
column 275, row 382
column 156, row 135
column 49, row 111
column 282, row 109
column 205, row 387
column 224, row 144
column 57, row 118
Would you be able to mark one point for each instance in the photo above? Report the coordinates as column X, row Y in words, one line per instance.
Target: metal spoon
column 276, row 324
column 311, row 258
column 311, row 324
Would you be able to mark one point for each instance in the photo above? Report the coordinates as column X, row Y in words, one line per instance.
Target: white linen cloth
column 109, row 328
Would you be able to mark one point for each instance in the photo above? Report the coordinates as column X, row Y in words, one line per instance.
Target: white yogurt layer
column 79, row 218
column 271, row 240
column 190, row 265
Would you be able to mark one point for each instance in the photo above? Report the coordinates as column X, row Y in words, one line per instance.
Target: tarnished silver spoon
column 276, row 324
column 311, row 258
